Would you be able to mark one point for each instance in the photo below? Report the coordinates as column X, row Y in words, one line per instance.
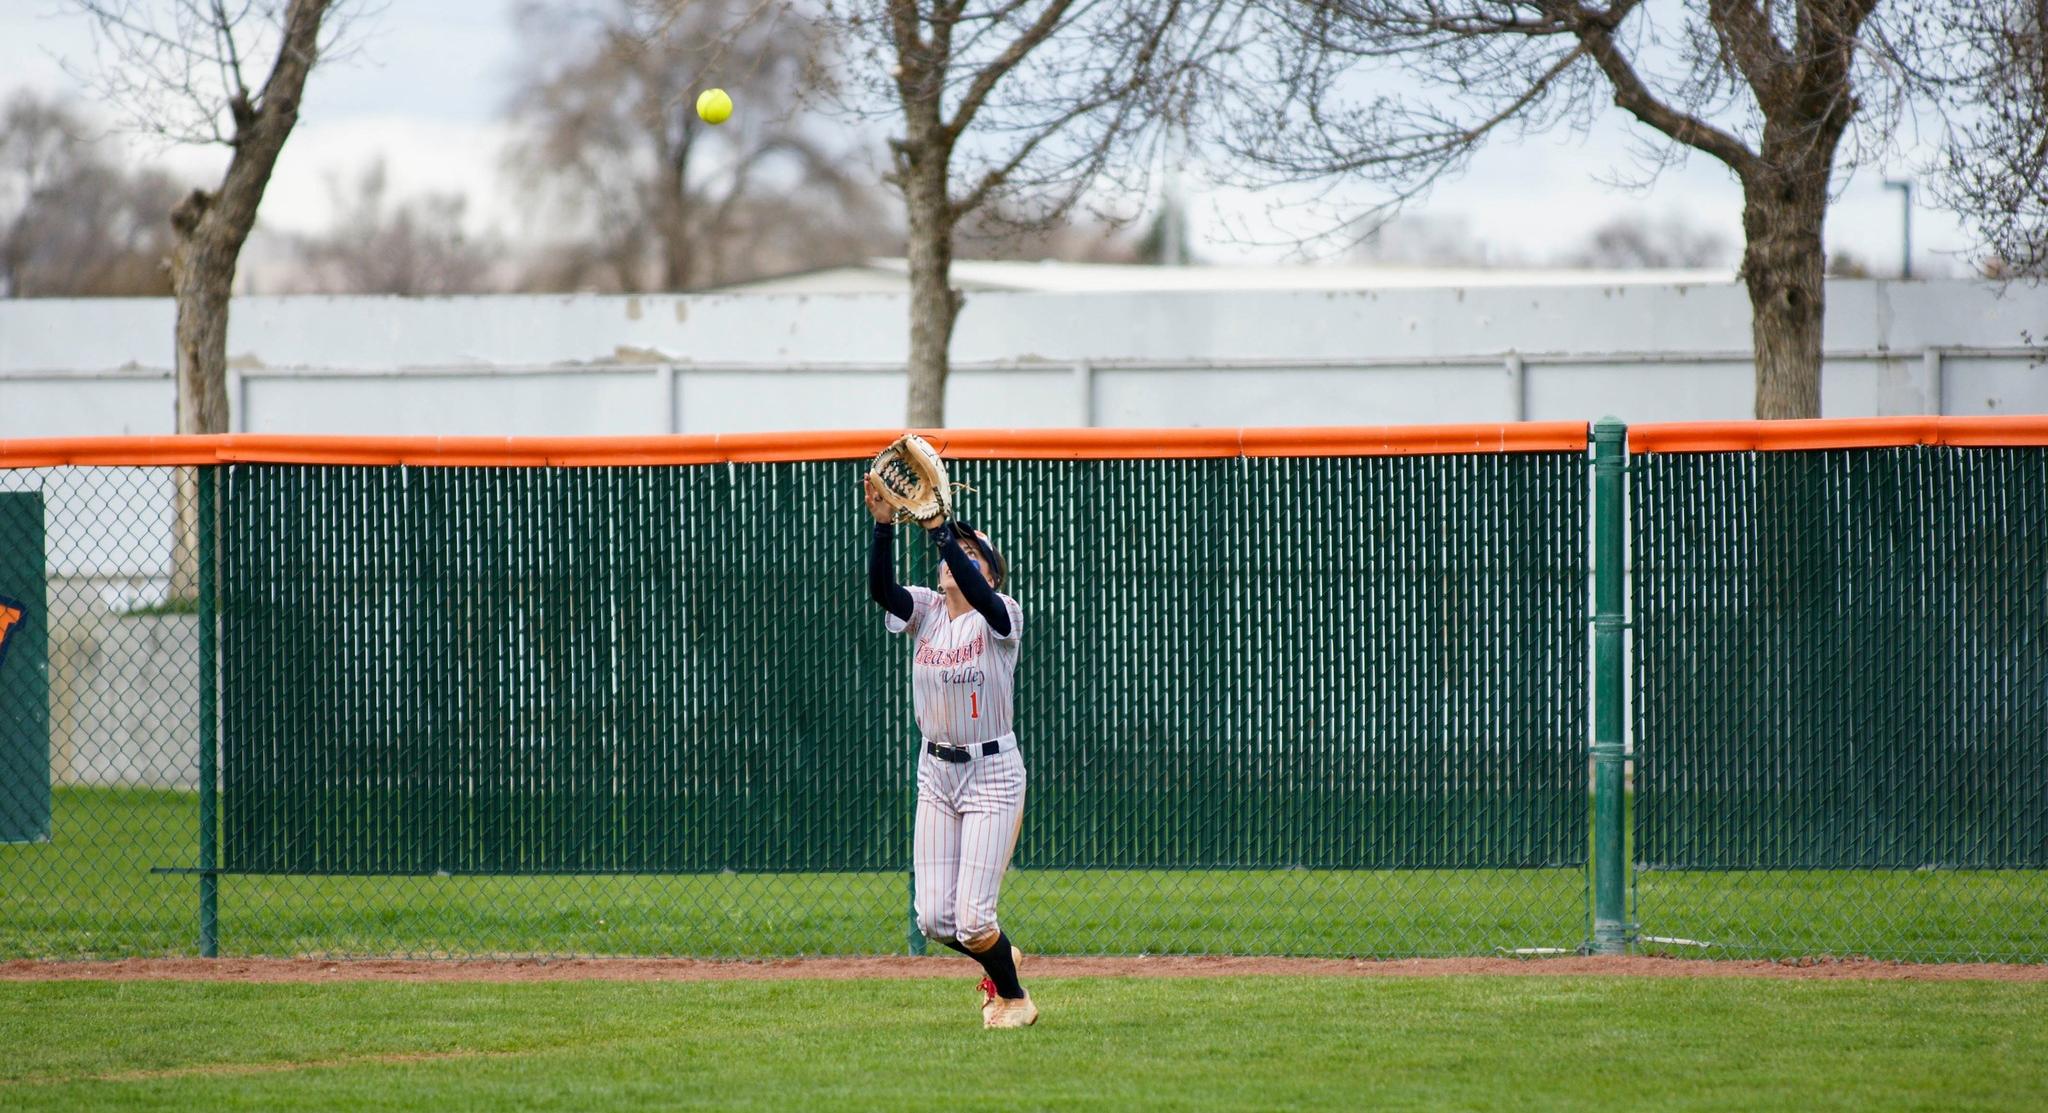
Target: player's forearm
column 882, row 585
column 973, row 586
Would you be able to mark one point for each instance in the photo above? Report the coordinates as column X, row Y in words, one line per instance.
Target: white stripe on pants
column 968, row 816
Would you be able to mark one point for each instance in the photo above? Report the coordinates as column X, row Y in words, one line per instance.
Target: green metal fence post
column 209, row 883
column 916, row 940
column 1610, row 932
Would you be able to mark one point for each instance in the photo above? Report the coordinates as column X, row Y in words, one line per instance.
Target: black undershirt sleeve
column 979, row 595
column 882, row 585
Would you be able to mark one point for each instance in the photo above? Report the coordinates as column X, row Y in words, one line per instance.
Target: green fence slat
column 1841, row 666
column 1841, row 660
column 1297, row 706
column 676, row 669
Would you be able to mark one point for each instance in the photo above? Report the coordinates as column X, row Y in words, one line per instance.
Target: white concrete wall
column 729, row 363
column 125, row 703
column 744, row 363
column 735, row 363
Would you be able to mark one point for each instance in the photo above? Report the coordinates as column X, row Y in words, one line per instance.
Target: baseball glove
column 912, row 479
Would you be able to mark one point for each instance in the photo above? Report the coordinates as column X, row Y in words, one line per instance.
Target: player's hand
column 877, row 505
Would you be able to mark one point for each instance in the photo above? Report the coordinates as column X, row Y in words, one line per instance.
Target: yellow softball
column 713, row 106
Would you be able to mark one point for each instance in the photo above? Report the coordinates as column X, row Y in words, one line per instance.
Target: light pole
column 1905, row 188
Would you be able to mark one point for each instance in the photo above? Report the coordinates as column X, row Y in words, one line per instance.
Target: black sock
column 1002, row 969
column 955, row 944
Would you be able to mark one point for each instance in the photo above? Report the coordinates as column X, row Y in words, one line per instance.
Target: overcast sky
column 426, row 83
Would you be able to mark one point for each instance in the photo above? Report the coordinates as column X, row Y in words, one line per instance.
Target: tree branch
column 1632, row 96
column 1746, row 31
column 259, row 139
column 1136, row 74
column 985, row 80
column 912, row 53
column 231, row 64
column 996, row 176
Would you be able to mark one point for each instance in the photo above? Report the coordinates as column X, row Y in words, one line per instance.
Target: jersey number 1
column 974, row 705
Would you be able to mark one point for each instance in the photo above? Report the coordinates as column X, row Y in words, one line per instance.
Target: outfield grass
column 1913, row 915
column 1427, row 1043
column 89, row 893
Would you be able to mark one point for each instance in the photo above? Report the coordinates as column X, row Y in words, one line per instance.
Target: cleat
column 1006, row 1013
column 993, row 1005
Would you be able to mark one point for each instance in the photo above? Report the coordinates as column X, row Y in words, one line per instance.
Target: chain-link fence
column 1315, row 704
column 1841, row 715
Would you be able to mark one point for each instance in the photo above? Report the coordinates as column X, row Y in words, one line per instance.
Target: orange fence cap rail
column 1021, row 444
column 853, row 444
column 1412, row 440
column 1850, row 432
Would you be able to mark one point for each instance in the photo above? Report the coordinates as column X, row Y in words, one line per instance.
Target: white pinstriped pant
column 968, row 816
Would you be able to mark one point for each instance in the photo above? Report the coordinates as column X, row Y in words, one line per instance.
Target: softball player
column 970, row 779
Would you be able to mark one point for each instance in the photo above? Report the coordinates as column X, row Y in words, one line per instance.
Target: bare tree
column 1028, row 102
column 1993, row 168
column 1847, row 264
column 1422, row 239
column 42, row 147
column 1633, row 242
column 179, row 69
column 1787, row 94
column 377, row 246
column 72, row 223
column 613, row 148
column 996, row 231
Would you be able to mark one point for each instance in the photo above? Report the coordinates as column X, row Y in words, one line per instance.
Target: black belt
column 959, row 754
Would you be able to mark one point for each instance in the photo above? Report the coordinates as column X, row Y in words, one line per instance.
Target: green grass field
column 1110, row 1044
column 89, row 893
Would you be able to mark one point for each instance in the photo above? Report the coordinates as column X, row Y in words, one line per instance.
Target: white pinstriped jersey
column 963, row 677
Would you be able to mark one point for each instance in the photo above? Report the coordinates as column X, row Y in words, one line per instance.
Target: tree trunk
column 672, row 212
column 934, row 304
column 202, row 282
column 1783, row 264
column 210, row 229
column 673, row 225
